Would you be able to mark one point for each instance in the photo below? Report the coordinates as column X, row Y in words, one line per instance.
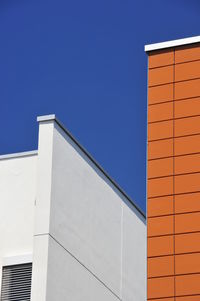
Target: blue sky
column 84, row 61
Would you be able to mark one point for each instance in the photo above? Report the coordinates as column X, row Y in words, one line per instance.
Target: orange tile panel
column 187, row 71
column 160, row 167
column 160, row 187
column 160, row 130
column 160, row 206
column 162, row 225
column 159, row 76
column 162, row 148
column 160, row 287
column 185, row 243
column 163, row 245
column 187, row 263
column 185, row 54
column 185, row 145
column 187, row 89
column 187, row 285
column 187, row 202
column 187, row 107
column 186, row 183
column 160, row 94
column 187, row 164
column 187, row 126
column 188, row 222
column 160, row 58
column 187, row 298
column 160, row 112
column 160, row 266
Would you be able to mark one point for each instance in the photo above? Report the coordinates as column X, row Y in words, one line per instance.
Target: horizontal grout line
column 175, row 100
column 174, row 214
column 175, row 156
column 172, row 254
column 174, row 296
column 161, row 298
column 180, row 193
column 173, row 275
column 162, row 66
column 174, row 64
column 159, row 103
column 174, row 175
column 186, row 62
column 173, row 234
column 175, row 137
column 174, row 82
column 159, row 85
column 171, row 119
column 161, row 177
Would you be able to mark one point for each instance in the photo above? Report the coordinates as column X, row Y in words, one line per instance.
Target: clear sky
column 85, row 62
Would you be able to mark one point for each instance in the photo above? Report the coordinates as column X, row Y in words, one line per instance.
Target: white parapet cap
column 46, row 118
column 173, row 43
column 53, row 118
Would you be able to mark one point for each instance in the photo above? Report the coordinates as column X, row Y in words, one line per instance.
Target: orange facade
column 173, row 205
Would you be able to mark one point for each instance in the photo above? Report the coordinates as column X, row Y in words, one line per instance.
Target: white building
column 65, row 221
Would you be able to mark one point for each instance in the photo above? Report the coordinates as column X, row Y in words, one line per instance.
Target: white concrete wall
column 42, row 214
column 17, row 202
column 94, row 242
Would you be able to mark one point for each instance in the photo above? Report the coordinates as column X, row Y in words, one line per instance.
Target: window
column 16, row 282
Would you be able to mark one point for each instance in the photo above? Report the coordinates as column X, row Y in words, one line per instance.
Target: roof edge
column 52, row 117
column 19, row 155
column 172, row 43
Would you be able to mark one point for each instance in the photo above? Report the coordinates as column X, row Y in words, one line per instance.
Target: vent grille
column 16, row 282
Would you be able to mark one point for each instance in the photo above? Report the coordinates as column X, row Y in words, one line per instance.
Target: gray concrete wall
column 96, row 237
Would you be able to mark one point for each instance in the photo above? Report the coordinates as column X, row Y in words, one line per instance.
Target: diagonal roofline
column 52, row 117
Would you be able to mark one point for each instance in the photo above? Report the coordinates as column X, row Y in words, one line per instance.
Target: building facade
column 67, row 231
column 173, row 198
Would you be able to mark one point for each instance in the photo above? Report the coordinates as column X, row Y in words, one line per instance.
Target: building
column 67, row 231
column 173, row 203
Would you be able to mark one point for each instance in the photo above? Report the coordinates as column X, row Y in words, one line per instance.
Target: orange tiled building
column 173, row 205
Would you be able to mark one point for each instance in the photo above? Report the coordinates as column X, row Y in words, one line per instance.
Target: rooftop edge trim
column 18, row 155
column 52, row 117
column 173, row 43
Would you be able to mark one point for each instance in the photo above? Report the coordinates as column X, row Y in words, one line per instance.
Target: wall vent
column 16, row 282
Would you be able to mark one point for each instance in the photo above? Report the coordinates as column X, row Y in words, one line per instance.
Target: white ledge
column 17, row 155
column 173, row 43
column 46, row 117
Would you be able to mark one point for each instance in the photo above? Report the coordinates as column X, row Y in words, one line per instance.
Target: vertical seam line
column 121, row 272
column 174, row 170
